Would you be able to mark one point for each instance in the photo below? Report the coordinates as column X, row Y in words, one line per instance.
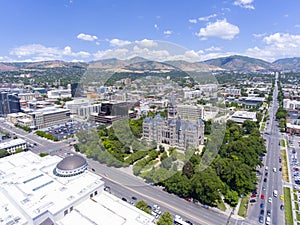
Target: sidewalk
column 290, row 183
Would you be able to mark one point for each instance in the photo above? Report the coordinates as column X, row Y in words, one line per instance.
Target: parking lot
column 68, row 129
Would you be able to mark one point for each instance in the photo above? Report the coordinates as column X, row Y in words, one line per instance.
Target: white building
column 59, row 93
column 12, row 145
column 34, row 190
column 291, row 104
column 190, row 112
column 241, row 116
column 82, row 107
column 48, row 117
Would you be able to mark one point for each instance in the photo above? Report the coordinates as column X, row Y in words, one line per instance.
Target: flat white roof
column 107, row 209
column 29, row 188
column 12, row 143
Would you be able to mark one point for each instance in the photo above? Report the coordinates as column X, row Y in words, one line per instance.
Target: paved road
column 125, row 185
column 274, row 179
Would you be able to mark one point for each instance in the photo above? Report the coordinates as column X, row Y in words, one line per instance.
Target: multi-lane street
column 271, row 177
column 125, row 185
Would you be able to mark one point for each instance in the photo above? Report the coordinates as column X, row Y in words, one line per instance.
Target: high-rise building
column 9, row 103
column 77, row 89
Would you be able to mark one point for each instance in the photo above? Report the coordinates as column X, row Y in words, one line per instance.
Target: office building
column 82, row 108
column 48, row 117
column 59, row 93
column 190, row 112
column 241, row 116
column 111, row 111
column 9, row 103
column 12, row 145
column 77, row 90
column 50, row 190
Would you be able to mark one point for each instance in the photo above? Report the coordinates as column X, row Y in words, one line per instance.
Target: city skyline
column 74, row 30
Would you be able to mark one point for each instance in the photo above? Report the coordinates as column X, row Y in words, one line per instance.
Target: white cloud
column 38, row 52
column 147, row 43
column 220, row 28
column 278, row 45
column 193, row 20
column 247, row 4
column 87, row 37
column 213, row 49
column 206, row 18
column 118, row 42
column 259, row 35
column 297, row 25
column 156, row 27
column 120, row 53
column 168, row 32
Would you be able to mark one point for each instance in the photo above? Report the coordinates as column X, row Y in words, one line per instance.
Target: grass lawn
column 244, row 206
column 221, row 205
column 285, row 175
column 282, row 143
column 288, row 206
column 263, row 125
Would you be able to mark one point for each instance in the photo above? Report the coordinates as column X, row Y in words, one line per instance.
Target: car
column 281, row 197
column 266, row 168
column 252, row 200
column 261, row 219
column 189, row 222
column 270, row 200
column 253, row 195
column 274, row 170
column 281, row 207
column 134, row 198
column 188, row 199
column 262, row 196
column 268, row 212
column 268, row 220
column 275, row 193
column 263, row 188
column 265, row 179
column 93, row 169
column 262, row 205
column 262, row 212
column 124, row 199
column 266, row 174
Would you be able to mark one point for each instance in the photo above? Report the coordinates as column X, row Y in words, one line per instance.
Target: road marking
column 162, row 203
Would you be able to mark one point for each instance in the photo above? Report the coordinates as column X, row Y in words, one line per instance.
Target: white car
column 274, row 170
column 270, row 200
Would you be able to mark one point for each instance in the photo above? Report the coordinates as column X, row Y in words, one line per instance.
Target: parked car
column 261, row 219
column 262, row 205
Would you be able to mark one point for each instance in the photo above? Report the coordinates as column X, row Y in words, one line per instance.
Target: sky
column 88, row 30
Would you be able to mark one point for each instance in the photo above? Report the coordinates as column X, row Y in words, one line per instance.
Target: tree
column 248, row 126
column 142, row 205
column 231, row 197
column 165, row 219
column 188, row 169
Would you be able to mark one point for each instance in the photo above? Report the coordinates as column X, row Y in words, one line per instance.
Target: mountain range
column 231, row 63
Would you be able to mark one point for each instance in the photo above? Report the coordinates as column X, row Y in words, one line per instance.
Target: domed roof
column 71, row 162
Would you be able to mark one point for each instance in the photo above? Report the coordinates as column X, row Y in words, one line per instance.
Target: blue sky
column 86, row 30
